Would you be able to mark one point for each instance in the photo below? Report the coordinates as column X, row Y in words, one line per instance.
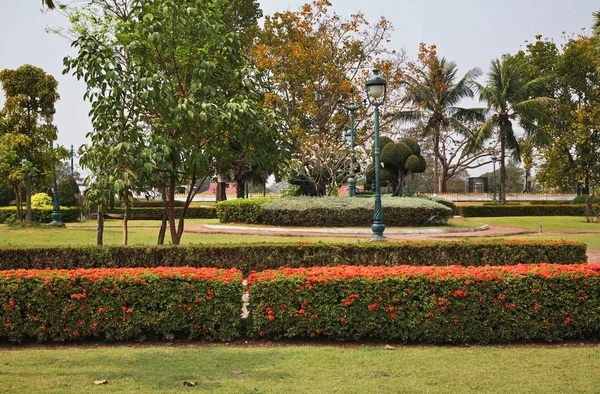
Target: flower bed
column 120, row 304
column 454, row 304
column 248, row 257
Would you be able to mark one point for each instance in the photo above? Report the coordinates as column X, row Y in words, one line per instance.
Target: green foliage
column 68, row 191
column 501, row 210
column 41, row 200
column 398, row 161
column 43, row 214
column 333, row 212
column 445, row 202
column 420, row 304
column 584, row 198
column 261, row 256
column 413, row 164
column 248, row 210
column 120, row 305
column 6, row 196
column 413, row 145
column 148, row 213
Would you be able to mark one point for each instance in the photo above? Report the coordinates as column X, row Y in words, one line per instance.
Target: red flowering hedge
column 120, row 304
column 248, row 257
column 455, row 304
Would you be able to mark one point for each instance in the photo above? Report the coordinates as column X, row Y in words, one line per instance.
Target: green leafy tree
column 511, row 96
column 181, row 78
column 30, row 93
column 433, row 95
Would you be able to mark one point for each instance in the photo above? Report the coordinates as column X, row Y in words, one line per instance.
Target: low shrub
column 428, row 304
column 41, row 200
column 120, row 304
column 584, row 198
column 334, row 212
column 247, row 210
column 42, row 215
column 502, row 210
column 151, row 213
column 549, row 202
column 248, row 257
column 445, row 202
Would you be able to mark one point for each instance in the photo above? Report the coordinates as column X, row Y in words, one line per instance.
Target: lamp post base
column 56, row 224
column 377, row 236
column 56, row 220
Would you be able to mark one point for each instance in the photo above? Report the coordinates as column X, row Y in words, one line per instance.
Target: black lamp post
column 376, row 91
column 494, row 160
column 352, row 177
column 56, row 215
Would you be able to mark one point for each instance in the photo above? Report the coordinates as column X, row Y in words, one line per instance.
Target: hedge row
column 42, row 215
column 499, row 210
column 150, row 213
column 248, row 257
column 428, row 304
column 120, row 304
column 333, row 212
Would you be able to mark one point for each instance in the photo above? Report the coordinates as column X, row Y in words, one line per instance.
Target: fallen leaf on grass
column 238, row 372
column 388, row 347
column 98, row 382
column 190, row 384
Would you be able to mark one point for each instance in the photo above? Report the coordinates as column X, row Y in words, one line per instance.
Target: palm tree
column 510, row 96
column 48, row 3
column 434, row 94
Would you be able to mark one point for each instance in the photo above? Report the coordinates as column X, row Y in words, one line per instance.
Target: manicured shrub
column 549, row 202
column 333, row 212
column 41, row 200
column 248, row 257
column 247, row 210
column 151, row 213
column 68, row 191
column 43, row 215
column 120, row 304
column 443, row 201
column 502, row 210
column 428, row 304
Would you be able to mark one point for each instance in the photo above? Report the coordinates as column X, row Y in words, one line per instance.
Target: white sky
column 469, row 32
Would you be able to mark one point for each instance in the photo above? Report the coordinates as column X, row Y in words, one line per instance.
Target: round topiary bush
column 413, row 145
column 412, row 163
column 40, row 200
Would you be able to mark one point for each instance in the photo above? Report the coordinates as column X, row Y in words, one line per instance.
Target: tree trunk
column 163, row 228
column 171, row 212
column 444, row 182
column 239, row 188
column 100, row 226
column 28, row 192
column 19, row 201
column 502, row 166
column 125, row 220
column 436, row 147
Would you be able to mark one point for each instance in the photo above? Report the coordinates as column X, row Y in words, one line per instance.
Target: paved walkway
column 399, row 235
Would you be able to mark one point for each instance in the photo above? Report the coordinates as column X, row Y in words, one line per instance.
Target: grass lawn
column 306, row 369
column 533, row 222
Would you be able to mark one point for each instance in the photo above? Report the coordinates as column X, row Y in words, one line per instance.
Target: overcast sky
column 469, row 32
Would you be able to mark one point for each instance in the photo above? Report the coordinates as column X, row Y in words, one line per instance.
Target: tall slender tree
column 434, row 95
column 510, row 97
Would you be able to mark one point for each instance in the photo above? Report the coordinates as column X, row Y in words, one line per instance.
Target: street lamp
column 56, row 216
column 494, row 160
column 352, row 177
column 376, row 87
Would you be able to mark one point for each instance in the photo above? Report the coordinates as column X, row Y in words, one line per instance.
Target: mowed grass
column 549, row 223
column 305, row 369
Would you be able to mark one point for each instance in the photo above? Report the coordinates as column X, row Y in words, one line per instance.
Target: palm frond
column 484, row 132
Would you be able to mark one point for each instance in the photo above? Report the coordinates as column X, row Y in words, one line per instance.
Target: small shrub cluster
column 41, row 200
column 333, row 212
column 584, row 198
column 428, row 304
column 42, row 215
column 68, row 191
column 249, row 257
column 120, row 304
column 502, row 210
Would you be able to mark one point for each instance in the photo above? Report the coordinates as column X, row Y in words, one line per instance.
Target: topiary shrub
column 68, row 191
column 41, row 200
column 444, row 202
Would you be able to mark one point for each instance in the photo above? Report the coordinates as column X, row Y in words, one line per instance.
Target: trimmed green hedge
column 43, row 215
column 428, row 304
column 520, row 210
column 333, row 212
column 248, row 257
column 156, row 213
column 120, row 304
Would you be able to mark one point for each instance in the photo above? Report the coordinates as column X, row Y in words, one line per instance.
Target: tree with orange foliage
column 308, row 60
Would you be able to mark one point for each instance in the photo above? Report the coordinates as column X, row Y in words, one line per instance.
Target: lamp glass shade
column 376, row 91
